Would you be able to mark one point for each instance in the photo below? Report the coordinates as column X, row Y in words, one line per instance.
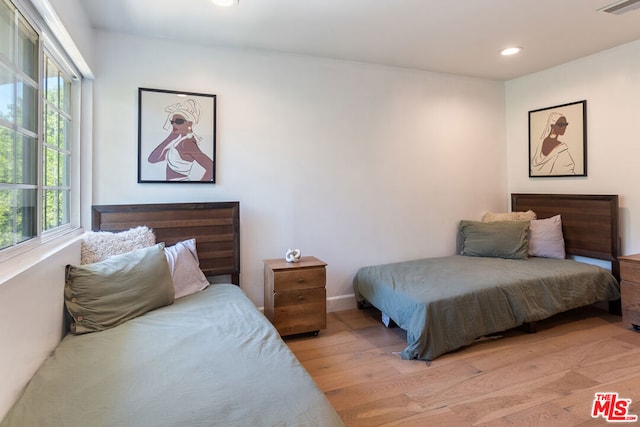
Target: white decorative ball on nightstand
column 293, row 255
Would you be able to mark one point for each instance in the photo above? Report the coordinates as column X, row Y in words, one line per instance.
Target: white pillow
column 546, row 239
column 185, row 268
column 97, row 246
column 509, row 216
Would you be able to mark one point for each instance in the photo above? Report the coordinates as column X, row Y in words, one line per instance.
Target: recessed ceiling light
column 225, row 3
column 510, row 51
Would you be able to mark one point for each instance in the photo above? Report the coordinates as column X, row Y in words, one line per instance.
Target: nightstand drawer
column 304, row 278
column 630, row 271
column 300, row 311
column 297, row 297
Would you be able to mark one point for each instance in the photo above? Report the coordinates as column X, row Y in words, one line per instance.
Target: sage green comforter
column 446, row 303
column 210, row 359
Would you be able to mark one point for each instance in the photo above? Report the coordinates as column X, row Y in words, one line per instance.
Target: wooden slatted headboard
column 215, row 226
column 589, row 222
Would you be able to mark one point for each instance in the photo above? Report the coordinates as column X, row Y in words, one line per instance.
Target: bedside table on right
column 630, row 290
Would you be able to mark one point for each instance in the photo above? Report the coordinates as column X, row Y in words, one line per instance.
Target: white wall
column 75, row 22
column 31, row 322
column 610, row 83
column 353, row 163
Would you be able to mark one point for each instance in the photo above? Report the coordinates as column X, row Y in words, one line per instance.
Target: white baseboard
column 341, row 302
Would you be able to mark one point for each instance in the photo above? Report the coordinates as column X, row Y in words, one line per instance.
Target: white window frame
column 48, row 44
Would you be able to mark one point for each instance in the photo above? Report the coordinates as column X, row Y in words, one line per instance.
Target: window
column 35, row 133
column 56, row 147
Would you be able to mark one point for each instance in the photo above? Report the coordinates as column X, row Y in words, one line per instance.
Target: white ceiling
column 454, row 36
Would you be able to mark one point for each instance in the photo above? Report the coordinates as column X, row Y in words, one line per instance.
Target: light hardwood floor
column 548, row 378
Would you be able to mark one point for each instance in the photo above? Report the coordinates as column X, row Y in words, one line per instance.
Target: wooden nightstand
column 295, row 298
column 630, row 290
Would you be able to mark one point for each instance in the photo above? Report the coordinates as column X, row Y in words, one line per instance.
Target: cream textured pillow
column 546, row 239
column 185, row 268
column 509, row 216
column 99, row 245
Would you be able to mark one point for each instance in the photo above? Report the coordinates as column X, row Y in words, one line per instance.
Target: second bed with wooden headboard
column 495, row 283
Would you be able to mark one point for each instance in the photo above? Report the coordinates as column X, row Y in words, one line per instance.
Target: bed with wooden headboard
column 494, row 283
column 214, row 225
column 208, row 358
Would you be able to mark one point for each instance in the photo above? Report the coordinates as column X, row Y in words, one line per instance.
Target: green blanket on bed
column 210, row 359
column 446, row 303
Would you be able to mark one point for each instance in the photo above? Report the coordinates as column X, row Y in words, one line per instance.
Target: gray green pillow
column 500, row 239
column 105, row 294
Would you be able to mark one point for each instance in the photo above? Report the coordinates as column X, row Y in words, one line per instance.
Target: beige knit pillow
column 99, row 245
column 509, row 216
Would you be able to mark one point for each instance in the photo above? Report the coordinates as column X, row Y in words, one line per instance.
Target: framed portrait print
column 558, row 140
column 176, row 137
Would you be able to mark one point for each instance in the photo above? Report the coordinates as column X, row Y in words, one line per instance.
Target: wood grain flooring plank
column 544, row 379
column 374, row 413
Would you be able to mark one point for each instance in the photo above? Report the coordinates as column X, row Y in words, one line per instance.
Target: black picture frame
column 558, row 141
column 176, row 137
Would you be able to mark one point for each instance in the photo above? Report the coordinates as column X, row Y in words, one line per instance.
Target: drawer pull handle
column 300, row 298
column 300, row 280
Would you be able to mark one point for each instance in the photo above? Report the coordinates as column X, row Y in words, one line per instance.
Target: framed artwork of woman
column 176, row 136
column 558, row 141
